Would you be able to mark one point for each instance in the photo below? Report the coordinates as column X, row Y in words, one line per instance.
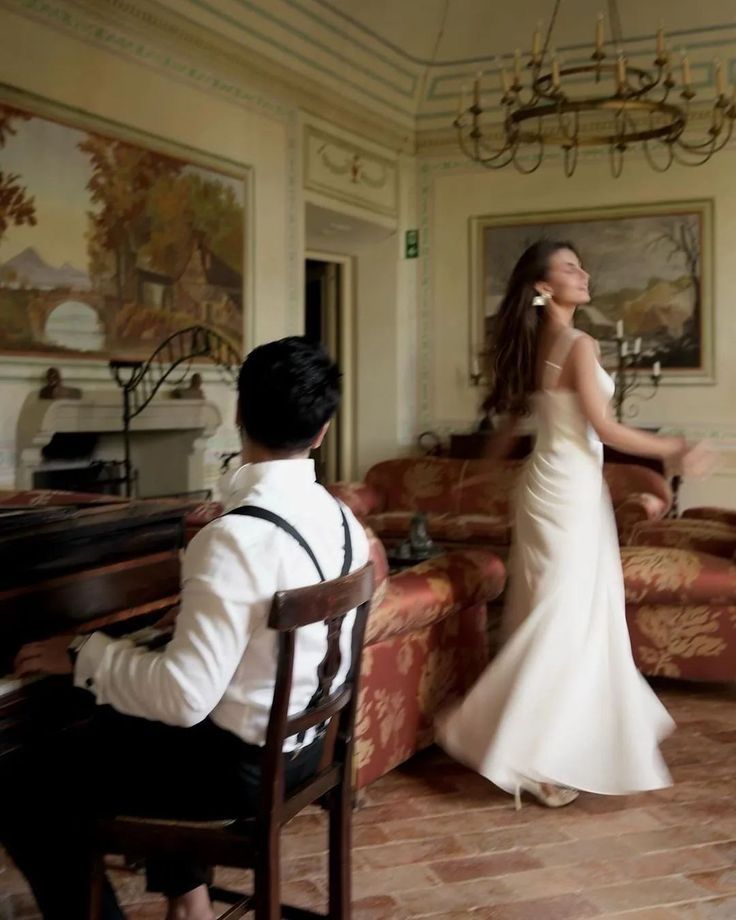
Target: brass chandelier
column 627, row 106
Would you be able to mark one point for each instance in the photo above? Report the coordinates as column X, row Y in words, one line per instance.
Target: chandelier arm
column 563, row 124
column 616, row 158
column 653, row 162
column 491, row 163
column 527, row 171
column 463, row 144
column 714, row 143
column 486, row 152
column 681, row 155
column 615, row 20
column 570, row 162
column 552, row 21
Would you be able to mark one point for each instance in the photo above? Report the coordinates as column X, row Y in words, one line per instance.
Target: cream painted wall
column 453, row 193
column 64, row 70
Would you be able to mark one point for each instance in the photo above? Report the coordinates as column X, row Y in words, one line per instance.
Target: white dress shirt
column 221, row 661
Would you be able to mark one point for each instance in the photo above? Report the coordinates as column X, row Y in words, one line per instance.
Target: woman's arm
column 501, row 442
column 597, row 409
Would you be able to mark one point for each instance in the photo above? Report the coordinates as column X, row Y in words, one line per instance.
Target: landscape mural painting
column 107, row 248
column 649, row 267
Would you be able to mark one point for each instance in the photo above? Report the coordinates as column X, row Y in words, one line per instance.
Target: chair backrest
column 332, row 709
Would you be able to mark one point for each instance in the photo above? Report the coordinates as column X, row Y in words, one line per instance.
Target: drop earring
column 540, row 300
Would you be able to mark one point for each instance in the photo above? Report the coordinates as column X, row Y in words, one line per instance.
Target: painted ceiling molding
column 343, row 63
column 151, row 34
column 363, row 51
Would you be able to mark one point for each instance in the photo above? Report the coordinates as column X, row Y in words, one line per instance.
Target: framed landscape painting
column 650, row 267
column 107, row 246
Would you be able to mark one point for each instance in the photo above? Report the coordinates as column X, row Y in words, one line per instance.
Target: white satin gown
column 563, row 701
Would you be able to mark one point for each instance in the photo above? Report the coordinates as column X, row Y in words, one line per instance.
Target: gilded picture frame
column 188, row 242
column 651, row 267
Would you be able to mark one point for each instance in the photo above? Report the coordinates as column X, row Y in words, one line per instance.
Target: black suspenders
column 264, row 515
column 278, row 521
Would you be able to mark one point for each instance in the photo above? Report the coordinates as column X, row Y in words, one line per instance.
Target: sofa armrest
column 361, row 498
column 716, row 515
column 676, row 577
column 629, row 479
column 433, row 590
column 635, row 509
column 700, row 536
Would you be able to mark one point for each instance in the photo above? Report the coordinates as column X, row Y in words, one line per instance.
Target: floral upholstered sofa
column 680, row 582
column 426, row 641
column 479, row 513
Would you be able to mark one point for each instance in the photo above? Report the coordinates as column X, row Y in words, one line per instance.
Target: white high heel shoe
column 545, row 793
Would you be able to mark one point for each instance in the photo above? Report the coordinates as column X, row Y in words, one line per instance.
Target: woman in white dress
column 562, row 707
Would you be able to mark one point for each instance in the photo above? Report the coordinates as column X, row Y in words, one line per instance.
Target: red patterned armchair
column 479, row 513
column 680, row 580
column 426, row 643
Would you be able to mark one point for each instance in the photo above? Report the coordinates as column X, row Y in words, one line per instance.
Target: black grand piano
column 75, row 569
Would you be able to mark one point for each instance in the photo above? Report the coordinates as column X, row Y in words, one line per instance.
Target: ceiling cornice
column 199, row 47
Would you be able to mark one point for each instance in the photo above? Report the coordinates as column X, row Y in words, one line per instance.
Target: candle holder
column 628, row 376
column 477, row 367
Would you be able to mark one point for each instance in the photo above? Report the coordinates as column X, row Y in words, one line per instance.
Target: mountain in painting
column 29, row 270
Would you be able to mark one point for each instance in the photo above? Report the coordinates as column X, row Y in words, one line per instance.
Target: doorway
column 327, row 320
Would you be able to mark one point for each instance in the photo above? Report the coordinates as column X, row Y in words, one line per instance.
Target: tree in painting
column 16, row 206
column 120, row 185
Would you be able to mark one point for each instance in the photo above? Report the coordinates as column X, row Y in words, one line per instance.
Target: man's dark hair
column 287, row 390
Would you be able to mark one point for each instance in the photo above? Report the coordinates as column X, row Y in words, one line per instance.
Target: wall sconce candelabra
column 627, row 375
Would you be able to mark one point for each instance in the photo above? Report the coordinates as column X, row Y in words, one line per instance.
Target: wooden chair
column 254, row 842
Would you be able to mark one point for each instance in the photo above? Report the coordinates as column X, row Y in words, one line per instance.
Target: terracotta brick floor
column 433, row 839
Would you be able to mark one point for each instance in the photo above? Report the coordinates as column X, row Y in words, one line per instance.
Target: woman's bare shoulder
column 585, row 344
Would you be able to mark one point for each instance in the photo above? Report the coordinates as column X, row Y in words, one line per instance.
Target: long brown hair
column 514, row 344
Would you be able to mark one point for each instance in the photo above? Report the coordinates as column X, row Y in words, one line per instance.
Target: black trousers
column 124, row 765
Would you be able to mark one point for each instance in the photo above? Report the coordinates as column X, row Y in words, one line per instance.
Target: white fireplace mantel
column 101, row 413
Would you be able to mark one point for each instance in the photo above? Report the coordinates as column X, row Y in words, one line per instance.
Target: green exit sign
column 411, row 244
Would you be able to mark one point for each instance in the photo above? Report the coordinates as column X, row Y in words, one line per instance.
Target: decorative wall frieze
column 350, row 173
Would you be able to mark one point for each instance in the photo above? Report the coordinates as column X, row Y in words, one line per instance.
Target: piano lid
column 42, row 543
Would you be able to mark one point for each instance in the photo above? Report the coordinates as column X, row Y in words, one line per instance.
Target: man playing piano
column 178, row 732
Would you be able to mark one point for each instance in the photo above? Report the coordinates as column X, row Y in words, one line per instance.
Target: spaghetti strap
column 557, row 357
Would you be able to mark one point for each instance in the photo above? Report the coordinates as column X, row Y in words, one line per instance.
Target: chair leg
column 341, row 820
column 96, row 886
column 267, row 882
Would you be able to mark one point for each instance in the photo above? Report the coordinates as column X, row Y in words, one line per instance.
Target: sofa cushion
column 702, row 536
column 433, row 590
column 466, row 528
column 416, row 484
